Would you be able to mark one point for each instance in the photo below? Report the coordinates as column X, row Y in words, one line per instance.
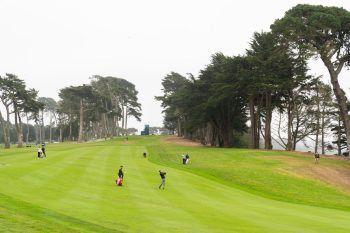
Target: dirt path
column 182, row 141
column 338, row 176
column 334, row 176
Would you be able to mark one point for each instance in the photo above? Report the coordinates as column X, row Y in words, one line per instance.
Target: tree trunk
column 126, row 120
column 7, row 129
column 296, row 130
column 123, row 120
column 268, row 141
column 20, row 143
column 61, row 133
column 225, row 127
column 50, row 139
column 207, row 133
column 27, row 134
column 37, row 132
column 113, row 127
column 117, row 124
column 317, row 119
column 339, row 136
column 290, row 122
column 42, row 133
column 18, row 123
column 253, row 125
column 70, row 131
column 213, row 135
column 179, row 131
column 81, row 121
column 339, row 94
column 109, row 127
column 104, row 123
column 322, row 129
column 258, row 122
column 5, row 132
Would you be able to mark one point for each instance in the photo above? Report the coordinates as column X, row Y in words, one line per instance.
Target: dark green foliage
column 210, row 108
column 172, row 101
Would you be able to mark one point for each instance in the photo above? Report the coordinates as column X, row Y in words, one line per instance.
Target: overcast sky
column 55, row 44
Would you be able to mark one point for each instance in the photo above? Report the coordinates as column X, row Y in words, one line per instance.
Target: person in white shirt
column 40, row 152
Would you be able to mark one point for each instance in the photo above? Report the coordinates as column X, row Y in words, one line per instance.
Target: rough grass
column 222, row 190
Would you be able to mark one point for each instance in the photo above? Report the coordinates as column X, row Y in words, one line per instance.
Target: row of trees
column 20, row 102
column 98, row 108
column 269, row 83
column 83, row 112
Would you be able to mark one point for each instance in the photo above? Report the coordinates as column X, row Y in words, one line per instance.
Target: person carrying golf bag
column 119, row 181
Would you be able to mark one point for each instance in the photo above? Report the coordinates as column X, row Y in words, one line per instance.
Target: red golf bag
column 119, row 181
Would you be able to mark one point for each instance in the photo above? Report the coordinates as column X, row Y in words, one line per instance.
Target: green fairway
column 221, row 190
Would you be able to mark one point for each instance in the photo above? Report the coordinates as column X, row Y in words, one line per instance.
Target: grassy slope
column 258, row 172
column 73, row 190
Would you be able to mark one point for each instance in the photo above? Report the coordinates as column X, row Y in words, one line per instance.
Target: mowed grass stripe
column 84, row 181
column 115, row 206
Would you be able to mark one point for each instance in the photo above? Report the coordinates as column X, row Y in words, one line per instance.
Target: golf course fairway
column 73, row 190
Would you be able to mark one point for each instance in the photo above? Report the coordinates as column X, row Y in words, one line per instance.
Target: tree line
column 96, row 110
column 267, row 93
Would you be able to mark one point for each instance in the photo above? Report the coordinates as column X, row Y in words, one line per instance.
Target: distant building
column 145, row 131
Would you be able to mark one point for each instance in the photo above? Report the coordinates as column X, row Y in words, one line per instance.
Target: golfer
column 43, row 149
column 162, row 176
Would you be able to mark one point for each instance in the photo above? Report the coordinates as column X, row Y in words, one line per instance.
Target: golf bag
column 119, row 181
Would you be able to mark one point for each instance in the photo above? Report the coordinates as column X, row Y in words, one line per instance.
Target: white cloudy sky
column 54, row 44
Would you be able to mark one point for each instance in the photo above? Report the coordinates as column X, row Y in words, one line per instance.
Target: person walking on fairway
column 43, row 149
column 187, row 158
column 317, row 158
column 120, row 176
column 162, row 176
column 183, row 159
column 39, row 153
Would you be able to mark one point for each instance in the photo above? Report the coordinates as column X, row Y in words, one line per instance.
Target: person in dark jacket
column 43, row 149
column 317, row 158
column 120, row 172
column 187, row 158
column 162, row 176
